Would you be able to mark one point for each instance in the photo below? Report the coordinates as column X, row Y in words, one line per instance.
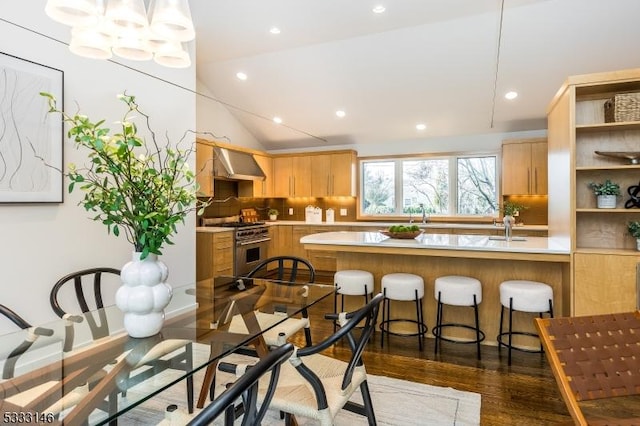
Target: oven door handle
column 248, row 243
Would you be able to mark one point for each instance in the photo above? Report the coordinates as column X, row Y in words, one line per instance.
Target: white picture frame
column 31, row 141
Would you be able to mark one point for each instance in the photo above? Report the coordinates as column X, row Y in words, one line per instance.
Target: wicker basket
column 622, row 107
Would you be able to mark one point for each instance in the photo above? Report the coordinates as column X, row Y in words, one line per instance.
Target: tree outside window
column 442, row 185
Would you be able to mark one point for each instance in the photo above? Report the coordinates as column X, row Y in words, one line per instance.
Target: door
column 604, row 283
column 282, row 169
column 539, row 160
column 516, row 168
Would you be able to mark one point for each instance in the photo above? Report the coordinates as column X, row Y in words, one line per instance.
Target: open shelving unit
column 604, row 275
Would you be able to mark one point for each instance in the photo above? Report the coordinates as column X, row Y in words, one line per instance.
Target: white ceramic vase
column 273, row 217
column 143, row 295
column 606, row 201
column 638, row 244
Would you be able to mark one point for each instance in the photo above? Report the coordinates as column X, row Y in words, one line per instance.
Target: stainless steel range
column 251, row 242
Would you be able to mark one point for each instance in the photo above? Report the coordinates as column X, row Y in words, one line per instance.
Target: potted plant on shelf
column 606, row 193
column 141, row 189
column 634, row 230
column 273, row 214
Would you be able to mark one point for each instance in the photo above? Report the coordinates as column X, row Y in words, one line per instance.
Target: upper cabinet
column 292, row 176
column 204, row 169
column 333, row 174
column 264, row 188
column 524, row 167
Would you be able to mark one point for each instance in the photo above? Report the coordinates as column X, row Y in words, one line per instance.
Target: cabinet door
column 282, row 169
column 204, row 256
column 516, row 168
column 204, row 169
column 539, row 160
column 604, row 283
column 342, row 179
column 264, row 188
column 321, row 175
column 223, row 252
column 301, row 176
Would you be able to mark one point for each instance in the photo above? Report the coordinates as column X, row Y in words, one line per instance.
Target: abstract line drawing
column 30, row 141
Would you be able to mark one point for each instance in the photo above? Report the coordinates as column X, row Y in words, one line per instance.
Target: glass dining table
column 62, row 361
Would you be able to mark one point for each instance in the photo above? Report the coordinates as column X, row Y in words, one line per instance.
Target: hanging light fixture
column 121, row 27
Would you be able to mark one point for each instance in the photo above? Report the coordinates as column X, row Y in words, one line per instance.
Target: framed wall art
column 30, row 140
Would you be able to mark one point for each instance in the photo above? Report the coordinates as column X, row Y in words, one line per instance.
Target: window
column 447, row 186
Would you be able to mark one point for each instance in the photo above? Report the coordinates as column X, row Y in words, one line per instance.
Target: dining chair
column 175, row 354
column 246, row 387
column 317, row 386
column 291, row 270
column 31, row 397
column 594, row 357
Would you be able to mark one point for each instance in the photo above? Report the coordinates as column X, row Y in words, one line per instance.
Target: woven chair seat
column 594, row 357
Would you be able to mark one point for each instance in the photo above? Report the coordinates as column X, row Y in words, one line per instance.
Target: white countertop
column 213, row 229
column 384, row 225
column 441, row 241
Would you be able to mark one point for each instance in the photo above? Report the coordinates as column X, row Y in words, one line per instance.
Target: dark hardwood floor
column 524, row 393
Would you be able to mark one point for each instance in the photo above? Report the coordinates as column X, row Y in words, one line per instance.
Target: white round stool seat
column 353, row 282
column 528, row 296
column 402, row 286
column 458, row 290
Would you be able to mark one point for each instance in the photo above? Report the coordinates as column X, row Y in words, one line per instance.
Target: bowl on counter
column 402, row 235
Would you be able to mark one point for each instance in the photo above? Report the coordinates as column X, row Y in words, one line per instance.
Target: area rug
column 396, row 402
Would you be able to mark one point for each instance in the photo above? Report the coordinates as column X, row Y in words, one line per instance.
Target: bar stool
column 456, row 290
column 351, row 282
column 524, row 296
column 402, row 287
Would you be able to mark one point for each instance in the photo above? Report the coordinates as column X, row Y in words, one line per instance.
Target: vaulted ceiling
column 444, row 63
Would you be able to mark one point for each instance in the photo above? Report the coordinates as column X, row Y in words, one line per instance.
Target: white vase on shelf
column 143, row 295
column 606, row 201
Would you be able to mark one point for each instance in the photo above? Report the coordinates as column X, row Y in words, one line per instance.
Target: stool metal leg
column 475, row 308
column 335, row 309
column 510, row 327
column 419, row 316
column 385, row 316
column 436, row 329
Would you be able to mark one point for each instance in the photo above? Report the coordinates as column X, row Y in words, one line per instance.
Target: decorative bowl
column 402, row 235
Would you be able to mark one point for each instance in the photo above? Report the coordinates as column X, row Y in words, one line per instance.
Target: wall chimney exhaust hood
column 235, row 165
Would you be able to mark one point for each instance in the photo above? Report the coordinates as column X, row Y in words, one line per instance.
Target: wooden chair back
column 593, row 357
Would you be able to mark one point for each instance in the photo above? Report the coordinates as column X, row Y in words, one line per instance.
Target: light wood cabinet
column 264, row 188
column 605, row 283
column 604, row 255
column 333, row 174
column 524, row 167
column 292, row 176
column 214, row 254
column 204, row 169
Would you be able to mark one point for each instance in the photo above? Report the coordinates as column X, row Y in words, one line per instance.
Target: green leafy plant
column 510, row 208
column 142, row 189
column 634, row 229
column 273, row 212
column 606, row 188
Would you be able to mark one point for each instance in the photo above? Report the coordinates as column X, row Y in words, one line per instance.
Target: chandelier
column 101, row 28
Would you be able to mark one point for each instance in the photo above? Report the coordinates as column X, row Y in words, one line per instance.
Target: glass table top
column 78, row 362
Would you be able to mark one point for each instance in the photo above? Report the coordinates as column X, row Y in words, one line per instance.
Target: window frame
column 453, row 185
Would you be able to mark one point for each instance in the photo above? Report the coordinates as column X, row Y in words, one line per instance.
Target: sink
column 503, row 238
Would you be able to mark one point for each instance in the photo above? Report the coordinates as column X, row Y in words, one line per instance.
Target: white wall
column 453, row 144
column 40, row 242
column 216, row 120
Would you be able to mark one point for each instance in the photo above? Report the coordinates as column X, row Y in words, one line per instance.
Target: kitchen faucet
column 508, row 224
column 424, row 214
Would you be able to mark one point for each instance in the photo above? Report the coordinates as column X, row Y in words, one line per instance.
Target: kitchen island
column 480, row 256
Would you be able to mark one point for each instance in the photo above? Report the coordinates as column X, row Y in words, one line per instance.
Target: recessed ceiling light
column 242, row 76
column 274, row 30
column 511, row 95
column 277, row 120
column 379, row 9
column 340, row 113
column 421, row 126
